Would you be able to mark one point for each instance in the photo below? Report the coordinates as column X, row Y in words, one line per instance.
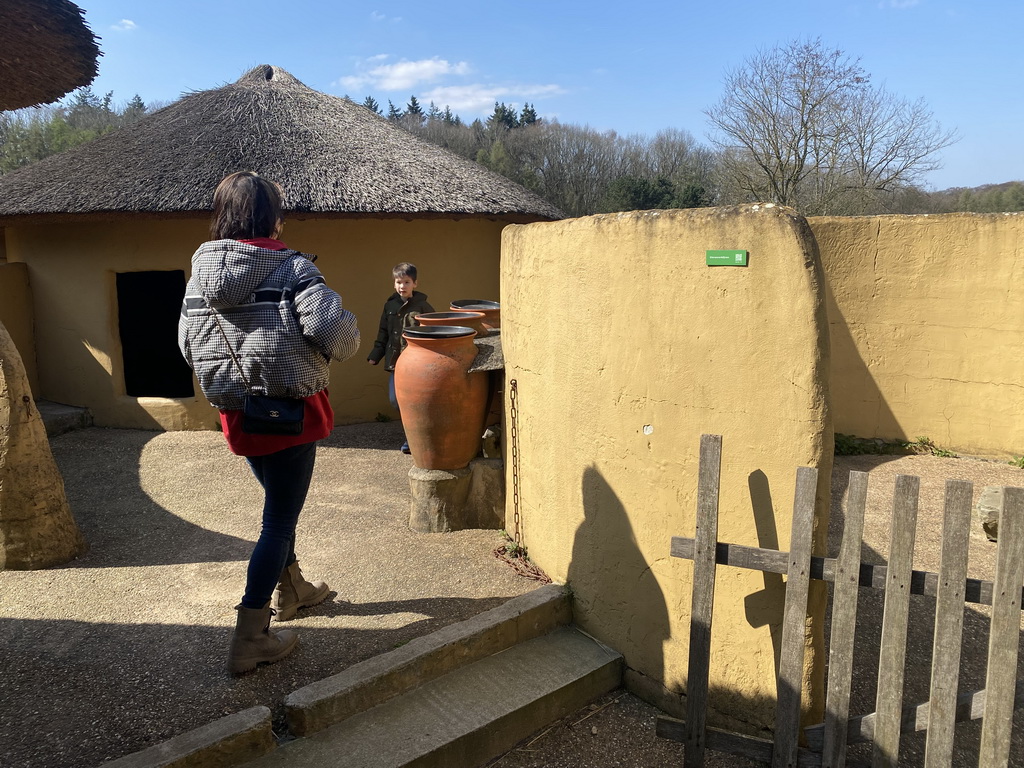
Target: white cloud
column 403, row 75
column 900, row 4
column 125, row 25
column 377, row 16
column 478, row 99
column 441, row 79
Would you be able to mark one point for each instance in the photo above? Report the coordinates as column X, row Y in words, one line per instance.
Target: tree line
column 799, row 124
column 30, row 134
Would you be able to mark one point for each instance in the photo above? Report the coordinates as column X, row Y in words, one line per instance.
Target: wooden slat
column 893, row 644
column 949, row 624
column 731, row 743
column 703, row 598
column 976, row 591
column 844, row 623
column 794, row 623
column 969, row 706
column 1004, row 632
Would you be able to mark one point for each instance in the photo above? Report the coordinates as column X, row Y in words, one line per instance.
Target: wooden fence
column 826, row 743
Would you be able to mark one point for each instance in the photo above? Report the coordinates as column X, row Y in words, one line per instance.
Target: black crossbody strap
column 216, row 319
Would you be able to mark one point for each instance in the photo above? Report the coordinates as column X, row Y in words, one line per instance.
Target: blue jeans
column 285, row 477
column 391, row 393
column 394, row 402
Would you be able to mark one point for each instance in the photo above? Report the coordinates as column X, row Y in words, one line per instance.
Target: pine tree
column 503, row 117
column 394, row 113
column 414, row 112
column 371, row 104
column 134, row 111
column 529, row 115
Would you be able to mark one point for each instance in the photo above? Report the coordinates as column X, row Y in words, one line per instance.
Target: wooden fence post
column 703, row 599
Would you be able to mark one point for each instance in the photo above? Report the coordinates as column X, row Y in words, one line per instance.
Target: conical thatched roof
column 46, row 50
column 331, row 156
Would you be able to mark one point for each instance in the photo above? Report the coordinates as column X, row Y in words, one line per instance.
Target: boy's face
column 404, row 286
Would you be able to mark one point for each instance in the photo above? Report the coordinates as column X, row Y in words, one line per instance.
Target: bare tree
column 802, row 125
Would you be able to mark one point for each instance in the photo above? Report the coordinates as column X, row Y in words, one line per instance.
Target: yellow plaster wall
column 625, row 348
column 73, row 267
column 16, row 314
column 927, row 326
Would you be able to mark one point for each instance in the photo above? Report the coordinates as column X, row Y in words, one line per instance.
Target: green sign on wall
column 726, row 258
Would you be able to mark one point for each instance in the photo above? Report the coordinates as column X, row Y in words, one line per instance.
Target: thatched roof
column 46, row 50
column 331, row 156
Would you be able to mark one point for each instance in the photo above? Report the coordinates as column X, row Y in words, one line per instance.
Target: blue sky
column 635, row 68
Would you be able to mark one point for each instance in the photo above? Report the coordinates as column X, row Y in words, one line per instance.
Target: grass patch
column 850, row 445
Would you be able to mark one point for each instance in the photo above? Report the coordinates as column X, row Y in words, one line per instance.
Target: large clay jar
column 491, row 310
column 443, row 405
column 474, row 320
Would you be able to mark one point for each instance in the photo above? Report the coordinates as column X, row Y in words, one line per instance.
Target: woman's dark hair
column 245, row 206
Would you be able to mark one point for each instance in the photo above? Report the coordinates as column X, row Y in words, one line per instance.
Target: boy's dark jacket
column 398, row 315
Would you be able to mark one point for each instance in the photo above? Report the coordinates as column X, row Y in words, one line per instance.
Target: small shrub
column 1018, row 462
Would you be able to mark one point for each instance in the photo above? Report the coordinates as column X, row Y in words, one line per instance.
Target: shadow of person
column 616, row 595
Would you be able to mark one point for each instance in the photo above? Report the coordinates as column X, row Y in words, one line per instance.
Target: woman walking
column 258, row 321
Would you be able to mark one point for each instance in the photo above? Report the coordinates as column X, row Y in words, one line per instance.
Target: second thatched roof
column 331, row 156
column 46, row 50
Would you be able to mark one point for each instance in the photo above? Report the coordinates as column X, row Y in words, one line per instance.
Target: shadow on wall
column 632, row 607
column 765, row 608
column 854, row 390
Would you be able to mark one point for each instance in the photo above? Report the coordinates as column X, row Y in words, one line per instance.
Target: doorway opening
column 148, row 306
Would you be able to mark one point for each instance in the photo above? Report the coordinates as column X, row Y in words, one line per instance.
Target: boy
column 400, row 311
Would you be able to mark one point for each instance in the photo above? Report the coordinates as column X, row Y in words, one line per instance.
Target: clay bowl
column 490, row 309
column 438, row 332
column 474, row 320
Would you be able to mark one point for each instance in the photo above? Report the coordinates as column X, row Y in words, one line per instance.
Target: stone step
column 469, row 715
column 59, row 418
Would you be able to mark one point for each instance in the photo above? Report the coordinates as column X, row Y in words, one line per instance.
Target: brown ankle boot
column 294, row 592
column 253, row 643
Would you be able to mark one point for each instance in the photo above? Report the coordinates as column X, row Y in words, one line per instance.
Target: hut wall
column 927, row 326
column 73, row 270
column 16, row 315
column 625, row 348
column 455, row 259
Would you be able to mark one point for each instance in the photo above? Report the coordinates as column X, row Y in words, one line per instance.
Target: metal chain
column 517, row 558
column 513, row 397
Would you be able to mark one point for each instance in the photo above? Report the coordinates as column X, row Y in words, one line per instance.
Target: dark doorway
column 148, row 306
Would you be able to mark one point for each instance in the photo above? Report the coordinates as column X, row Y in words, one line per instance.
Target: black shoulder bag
column 263, row 415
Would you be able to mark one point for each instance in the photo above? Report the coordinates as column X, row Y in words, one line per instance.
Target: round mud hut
column 104, row 234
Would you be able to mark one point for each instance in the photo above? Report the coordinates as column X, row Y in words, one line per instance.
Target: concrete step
column 469, row 715
column 60, row 418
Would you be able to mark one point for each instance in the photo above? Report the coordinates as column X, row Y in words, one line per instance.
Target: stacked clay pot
column 443, row 405
column 474, row 320
column 490, row 309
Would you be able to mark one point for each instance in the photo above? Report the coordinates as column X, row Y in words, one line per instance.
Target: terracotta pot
column 491, row 310
column 474, row 320
column 443, row 406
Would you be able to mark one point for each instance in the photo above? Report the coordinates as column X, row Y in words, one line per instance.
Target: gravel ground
column 125, row 646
